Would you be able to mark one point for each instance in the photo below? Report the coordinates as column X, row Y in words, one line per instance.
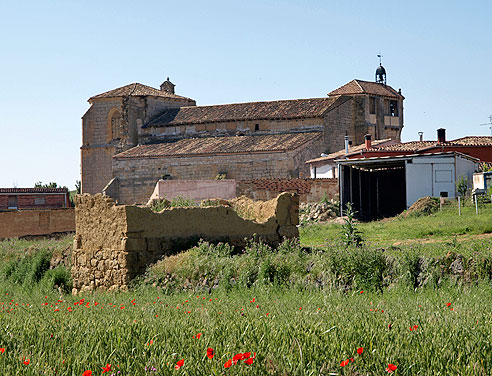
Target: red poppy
column 360, row 350
column 2, row 350
column 87, row 373
column 236, row 358
column 448, row 304
column 246, row 355
column 391, row 368
column 249, row 361
column 361, row 291
column 344, row 363
column 210, row 353
column 415, row 327
column 179, row 364
column 228, row 363
column 26, row 362
column 198, row 335
column 107, row 368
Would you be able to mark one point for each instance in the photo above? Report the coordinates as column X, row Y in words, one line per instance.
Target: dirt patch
column 423, row 206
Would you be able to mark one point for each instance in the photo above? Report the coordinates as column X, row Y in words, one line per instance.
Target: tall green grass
column 292, row 332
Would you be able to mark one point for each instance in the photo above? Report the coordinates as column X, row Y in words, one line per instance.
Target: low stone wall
column 16, row 223
column 115, row 243
column 309, row 190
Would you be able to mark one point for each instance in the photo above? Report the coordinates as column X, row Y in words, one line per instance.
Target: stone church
column 135, row 135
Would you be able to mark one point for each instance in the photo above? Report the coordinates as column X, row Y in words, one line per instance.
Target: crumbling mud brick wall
column 115, row 243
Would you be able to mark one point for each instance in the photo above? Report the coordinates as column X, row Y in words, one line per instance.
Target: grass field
column 443, row 226
column 291, row 311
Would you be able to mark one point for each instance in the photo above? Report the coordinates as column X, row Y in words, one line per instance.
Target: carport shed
column 385, row 186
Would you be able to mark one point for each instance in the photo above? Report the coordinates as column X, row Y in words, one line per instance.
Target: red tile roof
column 283, row 109
column 352, row 149
column 136, row 90
column 33, row 190
column 356, row 87
column 221, row 145
column 473, row 141
column 284, row 185
column 469, row 141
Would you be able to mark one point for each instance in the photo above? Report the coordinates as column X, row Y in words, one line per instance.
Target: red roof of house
column 33, row 190
column 468, row 141
column 352, row 150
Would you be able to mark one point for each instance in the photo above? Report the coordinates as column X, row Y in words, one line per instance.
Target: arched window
column 114, row 125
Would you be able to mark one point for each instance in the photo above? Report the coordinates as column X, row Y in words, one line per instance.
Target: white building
column 385, row 186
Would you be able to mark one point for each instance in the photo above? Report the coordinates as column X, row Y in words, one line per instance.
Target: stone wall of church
column 138, row 176
column 336, row 122
column 97, row 146
column 232, row 128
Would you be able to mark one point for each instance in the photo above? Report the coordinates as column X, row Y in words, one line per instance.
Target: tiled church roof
column 283, row 109
column 355, row 87
column 221, row 145
column 137, row 89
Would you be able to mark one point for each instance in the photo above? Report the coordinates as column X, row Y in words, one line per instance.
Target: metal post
column 459, row 205
column 476, row 205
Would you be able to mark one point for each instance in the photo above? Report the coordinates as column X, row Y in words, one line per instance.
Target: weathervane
column 381, row 72
column 489, row 124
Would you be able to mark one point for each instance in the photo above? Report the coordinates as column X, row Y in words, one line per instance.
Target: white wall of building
column 435, row 175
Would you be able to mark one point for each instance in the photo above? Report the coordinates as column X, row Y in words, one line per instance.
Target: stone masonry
column 115, row 243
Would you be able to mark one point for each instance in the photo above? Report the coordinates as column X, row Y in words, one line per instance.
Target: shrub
column 350, row 232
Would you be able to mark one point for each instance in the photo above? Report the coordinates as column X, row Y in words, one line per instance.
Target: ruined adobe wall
column 16, row 223
column 113, row 244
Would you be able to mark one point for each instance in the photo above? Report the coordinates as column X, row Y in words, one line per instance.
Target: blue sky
column 56, row 54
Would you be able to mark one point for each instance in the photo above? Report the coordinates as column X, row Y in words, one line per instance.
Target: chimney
column 168, row 86
column 421, row 136
column 367, row 138
column 346, row 145
column 441, row 135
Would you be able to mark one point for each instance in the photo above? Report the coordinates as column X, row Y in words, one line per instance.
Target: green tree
column 462, row 187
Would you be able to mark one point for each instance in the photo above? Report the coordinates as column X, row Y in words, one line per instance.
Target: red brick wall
column 28, row 201
column 17, row 223
column 309, row 190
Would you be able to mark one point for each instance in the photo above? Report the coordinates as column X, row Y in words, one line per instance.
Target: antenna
column 380, row 55
column 489, row 124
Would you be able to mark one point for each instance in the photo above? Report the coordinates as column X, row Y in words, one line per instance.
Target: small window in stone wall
column 115, row 125
column 257, row 127
column 393, row 108
column 39, row 201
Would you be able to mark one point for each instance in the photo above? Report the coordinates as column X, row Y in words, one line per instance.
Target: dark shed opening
column 375, row 190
